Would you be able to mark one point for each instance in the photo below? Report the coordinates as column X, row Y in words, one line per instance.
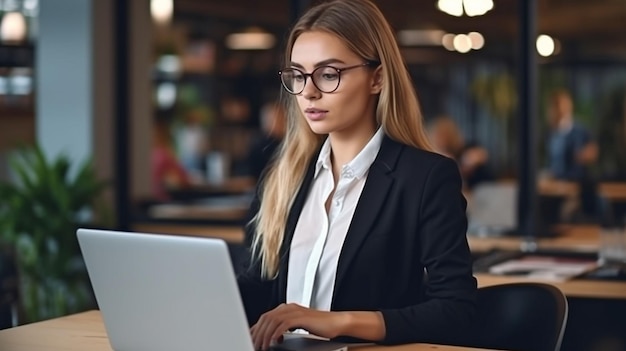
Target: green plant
column 39, row 214
column 497, row 93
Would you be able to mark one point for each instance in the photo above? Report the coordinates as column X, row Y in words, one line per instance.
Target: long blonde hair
column 365, row 31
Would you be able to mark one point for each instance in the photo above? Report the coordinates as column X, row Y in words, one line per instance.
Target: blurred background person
column 571, row 149
column 447, row 139
column 273, row 128
column 193, row 143
column 166, row 171
column 571, row 153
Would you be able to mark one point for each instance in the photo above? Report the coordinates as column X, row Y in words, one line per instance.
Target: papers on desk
column 548, row 268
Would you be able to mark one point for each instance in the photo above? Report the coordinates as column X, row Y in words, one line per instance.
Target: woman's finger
column 268, row 331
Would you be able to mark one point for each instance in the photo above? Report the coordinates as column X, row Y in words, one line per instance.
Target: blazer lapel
column 372, row 200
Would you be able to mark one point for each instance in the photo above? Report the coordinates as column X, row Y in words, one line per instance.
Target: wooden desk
column 578, row 238
column 585, row 288
column 203, row 212
column 560, row 188
column 612, row 191
column 234, row 185
column 581, row 238
column 85, row 332
column 230, row 186
column 231, row 234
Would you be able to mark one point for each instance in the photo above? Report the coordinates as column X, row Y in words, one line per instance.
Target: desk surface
column 582, row 238
column 231, row 234
column 577, row 238
column 85, row 332
column 582, row 288
column 612, row 191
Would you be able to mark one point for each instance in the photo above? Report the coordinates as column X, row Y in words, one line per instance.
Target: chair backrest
column 8, row 288
column 523, row 316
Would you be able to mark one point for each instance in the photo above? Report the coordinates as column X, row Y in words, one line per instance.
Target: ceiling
column 587, row 30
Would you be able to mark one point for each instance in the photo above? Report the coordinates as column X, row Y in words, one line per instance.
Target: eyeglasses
column 325, row 78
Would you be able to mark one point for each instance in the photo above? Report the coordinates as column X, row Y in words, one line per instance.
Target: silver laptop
column 168, row 292
column 492, row 209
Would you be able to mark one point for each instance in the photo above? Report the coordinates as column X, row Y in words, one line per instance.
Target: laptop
column 492, row 209
column 167, row 292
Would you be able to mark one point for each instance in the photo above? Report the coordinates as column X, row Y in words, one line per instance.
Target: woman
column 355, row 209
column 447, row 139
column 166, row 171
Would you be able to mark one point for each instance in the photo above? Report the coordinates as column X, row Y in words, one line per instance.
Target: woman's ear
column 377, row 80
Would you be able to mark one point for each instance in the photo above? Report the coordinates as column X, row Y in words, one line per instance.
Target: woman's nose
column 310, row 91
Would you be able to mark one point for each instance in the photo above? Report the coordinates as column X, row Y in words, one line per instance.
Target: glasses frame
column 310, row 75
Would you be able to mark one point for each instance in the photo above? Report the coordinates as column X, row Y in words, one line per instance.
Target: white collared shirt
column 319, row 237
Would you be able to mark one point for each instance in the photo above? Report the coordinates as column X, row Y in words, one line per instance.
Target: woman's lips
column 315, row 114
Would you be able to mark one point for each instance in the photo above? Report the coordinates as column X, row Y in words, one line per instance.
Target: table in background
column 85, row 332
column 572, row 238
column 230, row 186
column 573, row 288
column 231, row 234
column 575, row 238
column 612, row 191
column 597, row 308
column 583, row 238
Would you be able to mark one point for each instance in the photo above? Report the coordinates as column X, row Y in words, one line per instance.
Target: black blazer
column 410, row 219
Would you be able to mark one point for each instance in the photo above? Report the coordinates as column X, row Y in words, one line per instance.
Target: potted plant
column 39, row 214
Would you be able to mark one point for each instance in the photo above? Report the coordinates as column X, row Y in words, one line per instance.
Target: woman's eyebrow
column 321, row 63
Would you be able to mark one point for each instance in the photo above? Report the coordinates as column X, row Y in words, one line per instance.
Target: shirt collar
column 323, row 159
column 359, row 165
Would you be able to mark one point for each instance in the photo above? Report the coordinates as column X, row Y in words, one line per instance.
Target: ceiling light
column 13, row 27
column 470, row 7
column 451, row 7
column 162, row 10
column 545, row 45
column 448, row 41
column 462, row 43
column 477, row 39
column 477, row 7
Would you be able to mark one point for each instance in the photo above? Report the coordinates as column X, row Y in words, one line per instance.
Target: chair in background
column 8, row 289
column 523, row 316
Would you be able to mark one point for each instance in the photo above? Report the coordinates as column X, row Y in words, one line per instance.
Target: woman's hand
column 273, row 324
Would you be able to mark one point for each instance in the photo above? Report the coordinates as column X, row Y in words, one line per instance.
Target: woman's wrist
column 362, row 324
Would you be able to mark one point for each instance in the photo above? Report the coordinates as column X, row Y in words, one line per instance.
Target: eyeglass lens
column 325, row 78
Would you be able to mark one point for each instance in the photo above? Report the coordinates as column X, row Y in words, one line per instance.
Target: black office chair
column 8, row 289
column 520, row 317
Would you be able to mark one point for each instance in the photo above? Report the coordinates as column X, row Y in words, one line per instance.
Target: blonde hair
column 364, row 30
